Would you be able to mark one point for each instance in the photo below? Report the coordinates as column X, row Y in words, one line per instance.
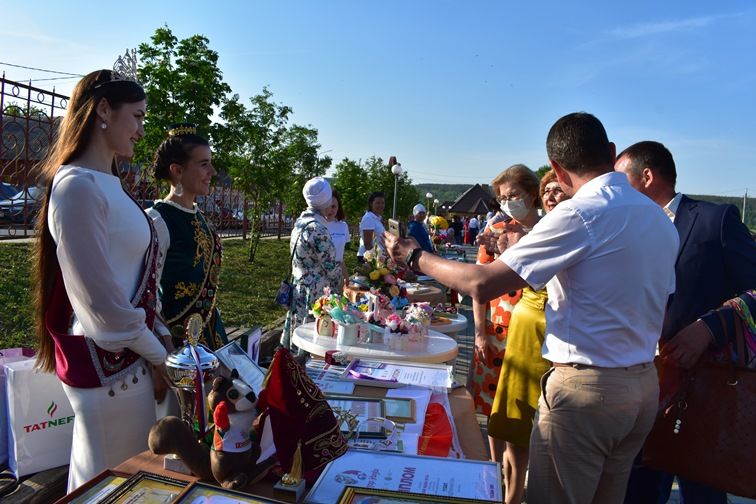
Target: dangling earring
column 178, row 190
column 104, row 126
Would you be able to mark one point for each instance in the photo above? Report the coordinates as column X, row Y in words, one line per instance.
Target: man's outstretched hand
column 398, row 248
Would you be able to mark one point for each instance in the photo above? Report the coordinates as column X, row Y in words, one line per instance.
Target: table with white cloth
column 440, row 347
column 456, row 323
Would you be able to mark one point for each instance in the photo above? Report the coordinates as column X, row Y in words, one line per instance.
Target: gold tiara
column 182, row 130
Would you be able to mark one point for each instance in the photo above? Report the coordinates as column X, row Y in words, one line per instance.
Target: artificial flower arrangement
column 378, row 307
column 331, row 310
column 409, row 333
column 382, row 275
column 438, row 223
column 439, row 229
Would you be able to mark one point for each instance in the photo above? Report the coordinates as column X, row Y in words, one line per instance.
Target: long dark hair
column 73, row 138
column 340, row 215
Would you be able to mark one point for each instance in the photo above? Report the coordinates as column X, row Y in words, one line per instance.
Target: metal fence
column 28, row 119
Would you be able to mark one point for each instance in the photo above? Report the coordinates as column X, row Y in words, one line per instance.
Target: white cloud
column 655, row 28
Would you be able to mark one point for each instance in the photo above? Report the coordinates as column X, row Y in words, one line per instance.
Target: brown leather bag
column 707, row 433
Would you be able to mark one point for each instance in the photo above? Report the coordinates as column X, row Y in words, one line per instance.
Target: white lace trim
column 180, row 207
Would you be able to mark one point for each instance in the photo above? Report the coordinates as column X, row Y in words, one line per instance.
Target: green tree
column 543, row 170
column 24, row 110
column 351, row 180
column 380, row 178
column 301, row 152
column 183, row 83
column 252, row 143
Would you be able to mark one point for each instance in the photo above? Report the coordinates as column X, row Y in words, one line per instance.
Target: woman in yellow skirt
column 517, row 393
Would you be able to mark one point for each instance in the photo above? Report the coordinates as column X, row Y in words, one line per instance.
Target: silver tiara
column 125, row 67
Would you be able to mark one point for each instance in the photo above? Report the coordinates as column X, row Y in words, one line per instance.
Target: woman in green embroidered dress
column 190, row 248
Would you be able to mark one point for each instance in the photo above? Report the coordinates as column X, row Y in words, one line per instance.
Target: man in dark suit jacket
column 716, row 262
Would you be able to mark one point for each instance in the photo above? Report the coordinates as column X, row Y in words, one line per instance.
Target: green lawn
column 245, row 299
column 15, row 296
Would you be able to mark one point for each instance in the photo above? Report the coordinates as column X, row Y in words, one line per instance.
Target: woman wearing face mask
column 518, row 186
column 95, row 259
column 190, row 249
column 518, row 390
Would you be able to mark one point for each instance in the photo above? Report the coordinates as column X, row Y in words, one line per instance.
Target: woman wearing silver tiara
column 190, row 249
column 96, row 260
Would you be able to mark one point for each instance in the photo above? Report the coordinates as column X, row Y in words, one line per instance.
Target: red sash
column 79, row 362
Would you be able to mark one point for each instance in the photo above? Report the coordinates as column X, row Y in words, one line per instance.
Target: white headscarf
column 317, row 193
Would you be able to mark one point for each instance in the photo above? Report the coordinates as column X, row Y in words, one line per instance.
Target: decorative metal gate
column 28, row 118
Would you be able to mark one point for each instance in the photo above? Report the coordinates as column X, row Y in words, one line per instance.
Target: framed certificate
column 146, row 488
column 202, row 493
column 399, row 409
column 96, row 489
column 233, row 356
column 434, row 476
column 365, row 409
column 357, row 495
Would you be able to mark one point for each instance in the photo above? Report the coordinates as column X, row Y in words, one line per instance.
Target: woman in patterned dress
column 190, row 249
column 313, row 256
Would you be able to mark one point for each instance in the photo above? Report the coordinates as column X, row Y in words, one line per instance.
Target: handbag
column 708, row 432
column 285, row 293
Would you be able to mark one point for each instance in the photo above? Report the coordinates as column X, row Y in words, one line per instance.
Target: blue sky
column 457, row 91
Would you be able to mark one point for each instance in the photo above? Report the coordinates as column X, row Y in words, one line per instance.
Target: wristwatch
column 412, row 256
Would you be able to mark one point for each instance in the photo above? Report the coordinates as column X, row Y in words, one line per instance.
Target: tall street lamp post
column 396, row 170
column 435, row 206
column 429, row 195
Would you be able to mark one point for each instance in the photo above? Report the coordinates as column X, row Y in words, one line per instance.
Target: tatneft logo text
column 49, row 423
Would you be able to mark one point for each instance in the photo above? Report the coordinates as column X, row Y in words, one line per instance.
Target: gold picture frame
column 147, row 488
column 400, row 409
column 364, row 409
column 358, row 495
column 199, row 490
column 97, row 488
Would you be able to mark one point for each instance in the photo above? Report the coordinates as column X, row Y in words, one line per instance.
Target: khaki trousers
column 590, row 425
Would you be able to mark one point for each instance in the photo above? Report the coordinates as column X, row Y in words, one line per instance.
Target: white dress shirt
column 671, row 208
column 371, row 222
column 607, row 259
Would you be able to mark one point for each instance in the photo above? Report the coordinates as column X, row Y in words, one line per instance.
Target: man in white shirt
column 606, row 257
column 474, row 226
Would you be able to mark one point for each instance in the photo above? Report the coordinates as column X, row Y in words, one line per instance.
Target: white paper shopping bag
column 7, row 356
column 40, row 420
